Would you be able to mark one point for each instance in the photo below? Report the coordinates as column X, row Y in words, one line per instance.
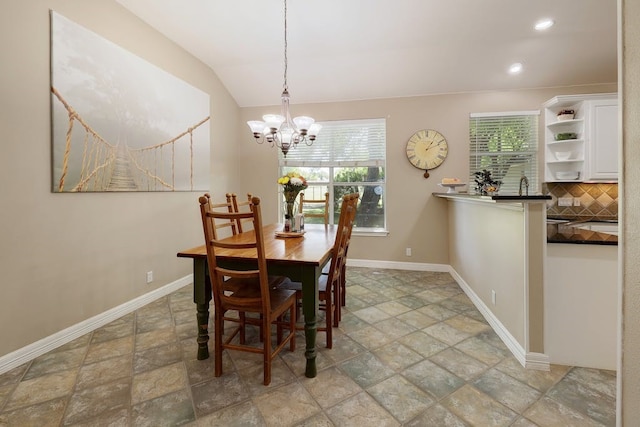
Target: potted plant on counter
column 485, row 184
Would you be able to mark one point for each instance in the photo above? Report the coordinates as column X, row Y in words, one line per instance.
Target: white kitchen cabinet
column 603, row 143
column 580, row 305
column 591, row 153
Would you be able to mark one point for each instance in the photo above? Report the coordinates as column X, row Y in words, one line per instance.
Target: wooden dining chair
column 254, row 291
column 343, row 277
column 329, row 286
column 309, row 207
column 222, row 223
column 239, row 206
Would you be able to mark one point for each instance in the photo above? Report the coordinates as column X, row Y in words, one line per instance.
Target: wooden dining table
column 299, row 258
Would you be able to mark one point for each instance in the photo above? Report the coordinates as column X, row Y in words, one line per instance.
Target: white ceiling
column 365, row 49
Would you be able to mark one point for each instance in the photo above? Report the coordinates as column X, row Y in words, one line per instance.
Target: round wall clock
column 427, row 149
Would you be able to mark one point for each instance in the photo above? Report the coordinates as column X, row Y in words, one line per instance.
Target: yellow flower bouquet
column 292, row 184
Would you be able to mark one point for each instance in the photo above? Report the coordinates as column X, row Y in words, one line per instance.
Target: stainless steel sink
column 607, row 227
column 557, row 221
column 600, row 227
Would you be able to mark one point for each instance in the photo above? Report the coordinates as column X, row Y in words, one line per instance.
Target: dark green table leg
column 310, row 311
column 202, row 297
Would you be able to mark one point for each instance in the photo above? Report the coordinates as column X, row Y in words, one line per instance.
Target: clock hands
column 431, row 143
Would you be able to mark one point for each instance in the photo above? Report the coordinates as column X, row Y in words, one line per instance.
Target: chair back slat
column 323, row 204
column 243, row 224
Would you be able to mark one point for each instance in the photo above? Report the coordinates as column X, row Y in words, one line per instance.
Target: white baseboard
column 413, row 266
column 38, row 348
column 537, row 361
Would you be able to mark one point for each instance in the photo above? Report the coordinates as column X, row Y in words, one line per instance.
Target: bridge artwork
column 120, row 123
column 108, row 166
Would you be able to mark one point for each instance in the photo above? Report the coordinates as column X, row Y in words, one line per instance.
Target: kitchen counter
column 497, row 198
column 565, row 233
column 496, row 250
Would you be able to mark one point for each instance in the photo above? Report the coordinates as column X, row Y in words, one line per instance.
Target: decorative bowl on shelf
column 566, row 115
column 563, row 117
column 565, row 135
column 567, row 175
column 563, row 155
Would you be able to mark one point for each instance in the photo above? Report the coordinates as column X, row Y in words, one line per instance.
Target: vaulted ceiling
column 366, row 49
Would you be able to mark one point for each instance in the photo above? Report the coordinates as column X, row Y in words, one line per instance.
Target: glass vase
column 290, row 208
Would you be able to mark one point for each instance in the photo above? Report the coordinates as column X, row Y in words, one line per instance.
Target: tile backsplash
column 596, row 200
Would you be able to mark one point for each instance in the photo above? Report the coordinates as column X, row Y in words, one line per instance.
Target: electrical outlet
column 149, row 276
column 493, row 297
column 407, row 251
column 565, row 201
column 576, row 201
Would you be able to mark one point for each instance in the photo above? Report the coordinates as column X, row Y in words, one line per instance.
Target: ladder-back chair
column 330, row 285
column 315, row 204
column 254, row 291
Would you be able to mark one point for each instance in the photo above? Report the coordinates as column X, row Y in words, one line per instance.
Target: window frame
column 378, row 126
column 531, row 151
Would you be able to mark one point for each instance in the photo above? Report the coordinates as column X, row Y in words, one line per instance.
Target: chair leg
column 329, row 307
column 218, row 330
column 343, row 286
column 336, row 306
column 279, row 324
column 243, row 320
column 266, row 351
column 292, row 328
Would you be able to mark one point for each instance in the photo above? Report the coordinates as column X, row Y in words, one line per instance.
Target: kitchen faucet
column 524, row 179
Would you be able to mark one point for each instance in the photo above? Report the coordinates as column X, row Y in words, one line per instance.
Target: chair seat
column 234, row 285
column 250, row 289
column 297, row 286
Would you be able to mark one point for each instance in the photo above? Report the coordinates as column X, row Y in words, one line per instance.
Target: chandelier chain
column 285, row 45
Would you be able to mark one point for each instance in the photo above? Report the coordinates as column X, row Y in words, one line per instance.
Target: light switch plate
column 565, row 201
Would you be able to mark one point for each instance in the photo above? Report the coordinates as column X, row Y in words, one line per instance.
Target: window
column 347, row 156
column 507, row 145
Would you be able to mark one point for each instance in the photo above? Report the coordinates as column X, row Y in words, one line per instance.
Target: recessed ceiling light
column 515, row 68
column 544, row 24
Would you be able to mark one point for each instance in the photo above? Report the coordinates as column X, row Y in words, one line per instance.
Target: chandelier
column 279, row 129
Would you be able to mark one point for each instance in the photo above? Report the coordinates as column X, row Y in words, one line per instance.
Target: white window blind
column 347, row 156
column 507, row 145
column 343, row 143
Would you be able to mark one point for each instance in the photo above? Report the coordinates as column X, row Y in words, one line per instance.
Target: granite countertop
column 564, row 233
column 495, row 198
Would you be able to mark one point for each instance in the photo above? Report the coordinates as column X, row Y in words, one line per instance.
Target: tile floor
column 411, row 350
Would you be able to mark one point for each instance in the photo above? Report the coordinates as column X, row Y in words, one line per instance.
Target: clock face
column 427, row 149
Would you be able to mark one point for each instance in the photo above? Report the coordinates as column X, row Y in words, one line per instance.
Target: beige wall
column 629, row 368
column 488, row 252
column 414, row 218
column 67, row 257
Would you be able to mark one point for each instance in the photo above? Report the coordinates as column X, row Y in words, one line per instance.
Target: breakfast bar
column 496, row 252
